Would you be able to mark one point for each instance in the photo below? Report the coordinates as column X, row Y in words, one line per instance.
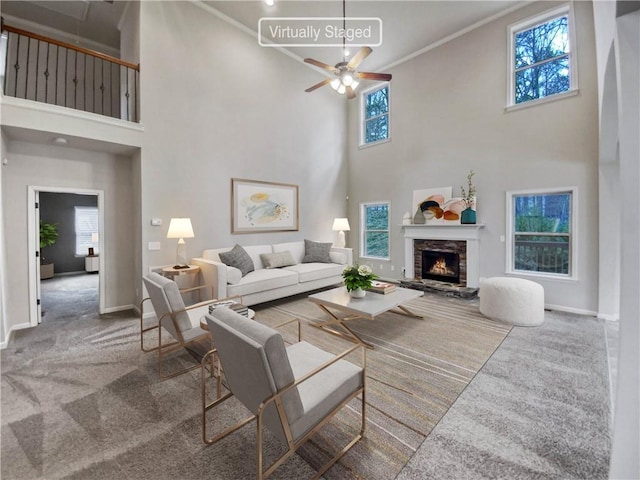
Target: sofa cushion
column 277, row 259
column 316, row 252
column 296, row 249
column 234, row 275
column 308, row 272
column 263, row 280
column 239, row 258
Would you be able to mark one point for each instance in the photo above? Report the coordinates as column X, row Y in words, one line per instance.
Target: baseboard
column 577, row 311
column 121, row 308
column 21, row 326
column 609, row 317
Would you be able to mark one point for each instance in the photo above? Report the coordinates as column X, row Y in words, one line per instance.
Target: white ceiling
column 408, row 26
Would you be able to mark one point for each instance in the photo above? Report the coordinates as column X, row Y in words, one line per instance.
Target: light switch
column 156, row 222
column 154, row 245
column 502, row 238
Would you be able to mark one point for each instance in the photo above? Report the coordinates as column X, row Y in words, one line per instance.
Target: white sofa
column 266, row 284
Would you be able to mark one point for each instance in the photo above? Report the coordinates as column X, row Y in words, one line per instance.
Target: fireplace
column 461, row 239
column 441, row 266
column 440, row 260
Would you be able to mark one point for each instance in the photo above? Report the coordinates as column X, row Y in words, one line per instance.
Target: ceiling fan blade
column 320, row 64
column 350, row 93
column 384, row 77
column 358, row 58
column 318, row 85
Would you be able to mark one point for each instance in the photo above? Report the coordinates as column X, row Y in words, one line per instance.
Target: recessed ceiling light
column 269, row 2
column 60, row 140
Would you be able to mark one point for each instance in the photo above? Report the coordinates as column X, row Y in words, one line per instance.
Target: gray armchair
column 182, row 323
column 293, row 391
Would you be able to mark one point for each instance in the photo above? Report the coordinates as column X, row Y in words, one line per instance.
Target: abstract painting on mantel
column 436, row 206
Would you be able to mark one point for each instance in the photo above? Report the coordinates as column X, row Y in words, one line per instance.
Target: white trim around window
column 363, row 120
column 572, row 276
column 573, row 57
column 363, row 230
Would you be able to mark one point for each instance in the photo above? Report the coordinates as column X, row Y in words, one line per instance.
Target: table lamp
column 340, row 225
column 180, row 228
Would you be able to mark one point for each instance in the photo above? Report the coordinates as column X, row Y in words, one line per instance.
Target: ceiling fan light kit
column 345, row 74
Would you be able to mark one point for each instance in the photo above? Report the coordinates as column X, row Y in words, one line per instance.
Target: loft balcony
column 45, row 70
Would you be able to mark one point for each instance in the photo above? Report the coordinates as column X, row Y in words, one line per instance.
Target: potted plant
column 468, row 215
column 357, row 279
column 48, row 236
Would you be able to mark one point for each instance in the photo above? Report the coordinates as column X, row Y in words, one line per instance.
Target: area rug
column 415, row 372
column 80, row 400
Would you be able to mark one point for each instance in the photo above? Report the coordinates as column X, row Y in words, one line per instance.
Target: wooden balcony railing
column 541, row 256
column 46, row 70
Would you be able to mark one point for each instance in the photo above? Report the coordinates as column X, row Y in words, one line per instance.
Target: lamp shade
column 341, row 224
column 180, row 228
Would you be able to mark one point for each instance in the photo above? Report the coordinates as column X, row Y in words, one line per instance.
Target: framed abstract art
column 258, row 206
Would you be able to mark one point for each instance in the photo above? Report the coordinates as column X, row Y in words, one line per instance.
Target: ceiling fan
column 346, row 78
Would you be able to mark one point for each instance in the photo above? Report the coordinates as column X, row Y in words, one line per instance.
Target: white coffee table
column 368, row 307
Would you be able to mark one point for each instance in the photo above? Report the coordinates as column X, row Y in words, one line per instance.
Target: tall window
column 542, row 226
column 374, row 225
column 86, row 230
column 542, row 61
column 375, row 115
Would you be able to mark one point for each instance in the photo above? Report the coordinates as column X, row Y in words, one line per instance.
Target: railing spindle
column 80, row 77
column 6, row 62
column 37, row 67
column 46, row 76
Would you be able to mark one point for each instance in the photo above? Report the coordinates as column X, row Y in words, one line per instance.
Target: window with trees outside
column 541, row 223
column 374, row 223
column 542, row 61
column 86, row 225
column 375, row 115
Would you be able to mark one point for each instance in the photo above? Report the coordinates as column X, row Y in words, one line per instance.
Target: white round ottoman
column 512, row 300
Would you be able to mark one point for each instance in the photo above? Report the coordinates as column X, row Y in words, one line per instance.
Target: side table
column 185, row 278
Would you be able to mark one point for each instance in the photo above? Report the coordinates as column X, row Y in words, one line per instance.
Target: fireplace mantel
column 468, row 233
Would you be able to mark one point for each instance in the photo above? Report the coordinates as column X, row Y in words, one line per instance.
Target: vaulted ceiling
column 407, row 26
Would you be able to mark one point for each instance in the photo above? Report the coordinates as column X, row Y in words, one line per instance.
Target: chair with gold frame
column 293, row 391
column 155, row 324
column 181, row 322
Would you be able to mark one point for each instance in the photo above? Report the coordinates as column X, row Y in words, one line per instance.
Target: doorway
column 77, row 287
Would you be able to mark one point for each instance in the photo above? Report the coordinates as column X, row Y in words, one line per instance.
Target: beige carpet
column 415, row 373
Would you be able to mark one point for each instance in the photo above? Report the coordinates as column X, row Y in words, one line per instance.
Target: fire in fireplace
column 441, row 266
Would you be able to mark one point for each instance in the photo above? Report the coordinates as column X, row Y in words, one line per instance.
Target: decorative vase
column 357, row 293
column 468, row 216
column 418, row 218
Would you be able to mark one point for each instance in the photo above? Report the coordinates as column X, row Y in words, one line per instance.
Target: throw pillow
column 239, row 258
column 278, row 259
column 316, row 252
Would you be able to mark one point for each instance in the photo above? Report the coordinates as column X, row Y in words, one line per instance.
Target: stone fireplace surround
column 456, row 234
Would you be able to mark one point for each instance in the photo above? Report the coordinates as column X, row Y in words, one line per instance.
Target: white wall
column 215, row 106
column 447, row 117
column 47, row 166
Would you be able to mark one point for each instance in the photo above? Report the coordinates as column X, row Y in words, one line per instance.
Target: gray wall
column 448, row 117
column 59, row 208
column 46, row 166
column 215, row 106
